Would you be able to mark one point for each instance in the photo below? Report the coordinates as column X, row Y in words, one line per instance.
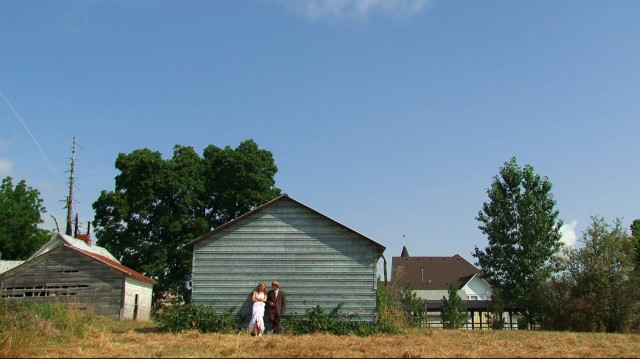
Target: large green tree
column 635, row 233
column 598, row 291
column 21, row 212
column 521, row 225
column 160, row 205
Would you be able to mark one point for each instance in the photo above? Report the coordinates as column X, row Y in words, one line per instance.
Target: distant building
column 431, row 277
column 317, row 261
column 76, row 272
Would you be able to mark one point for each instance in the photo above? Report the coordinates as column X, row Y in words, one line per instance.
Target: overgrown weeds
column 27, row 323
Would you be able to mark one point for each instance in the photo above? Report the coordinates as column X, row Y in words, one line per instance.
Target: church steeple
column 405, row 252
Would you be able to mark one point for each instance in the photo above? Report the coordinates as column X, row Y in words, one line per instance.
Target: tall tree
column 237, row 181
column 160, row 205
column 635, row 233
column 21, row 212
column 521, row 225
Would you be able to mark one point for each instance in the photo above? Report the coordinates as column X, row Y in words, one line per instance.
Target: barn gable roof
column 379, row 247
column 433, row 273
column 63, row 239
column 114, row 264
column 94, row 256
column 7, row 265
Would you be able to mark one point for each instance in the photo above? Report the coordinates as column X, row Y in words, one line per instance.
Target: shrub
column 179, row 318
column 317, row 320
column 390, row 311
column 454, row 314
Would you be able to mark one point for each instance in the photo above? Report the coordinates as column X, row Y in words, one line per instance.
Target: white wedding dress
column 257, row 314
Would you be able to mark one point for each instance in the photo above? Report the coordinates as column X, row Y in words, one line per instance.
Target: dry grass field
column 129, row 339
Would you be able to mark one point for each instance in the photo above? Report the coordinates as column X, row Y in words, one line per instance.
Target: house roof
column 433, row 273
column 284, row 197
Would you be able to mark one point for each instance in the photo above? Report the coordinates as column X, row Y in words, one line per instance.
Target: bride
column 259, row 297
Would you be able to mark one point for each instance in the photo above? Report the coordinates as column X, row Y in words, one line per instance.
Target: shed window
column 50, row 290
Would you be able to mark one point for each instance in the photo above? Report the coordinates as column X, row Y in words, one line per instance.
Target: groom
column 276, row 301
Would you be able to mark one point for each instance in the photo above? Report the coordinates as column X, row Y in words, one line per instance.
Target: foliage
column 521, row 225
column 414, row 309
column 158, row 206
column 317, row 320
column 389, row 311
column 599, row 289
column 496, row 310
column 635, row 233
column 179, row 318
column 454, row 313
column 23, row 323
column 21, row 211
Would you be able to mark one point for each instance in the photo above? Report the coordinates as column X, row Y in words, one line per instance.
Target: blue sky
column 391, row 117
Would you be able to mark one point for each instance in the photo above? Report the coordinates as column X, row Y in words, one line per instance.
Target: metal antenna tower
column 70, row 197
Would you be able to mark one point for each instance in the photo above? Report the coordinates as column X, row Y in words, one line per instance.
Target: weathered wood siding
column 69, row 277
column 144, row 292
column 316, row 261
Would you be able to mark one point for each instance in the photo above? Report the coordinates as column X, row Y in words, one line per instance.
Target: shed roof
column 433, row 273
column 380, row 248
column 114, row 264
column 6, row 265
column 63, row 239
column 97, row 257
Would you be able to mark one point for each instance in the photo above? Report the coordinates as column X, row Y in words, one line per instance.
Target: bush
column 317, row 320
column 390, row 311
column 179, row 318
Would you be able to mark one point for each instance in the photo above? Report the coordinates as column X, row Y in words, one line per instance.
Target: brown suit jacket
column 280, row 301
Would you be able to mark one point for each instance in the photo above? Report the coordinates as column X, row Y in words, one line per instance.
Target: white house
column 431, row 277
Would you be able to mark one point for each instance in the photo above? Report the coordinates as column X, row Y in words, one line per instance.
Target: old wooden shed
column 73, row 271
column 317, row 261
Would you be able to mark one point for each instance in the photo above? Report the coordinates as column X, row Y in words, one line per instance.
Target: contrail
column 32, row 137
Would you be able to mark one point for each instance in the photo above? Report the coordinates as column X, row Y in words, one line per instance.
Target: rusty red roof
column 113, row 264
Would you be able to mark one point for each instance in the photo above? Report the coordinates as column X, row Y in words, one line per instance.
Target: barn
column 317, row 261
column 73, row 271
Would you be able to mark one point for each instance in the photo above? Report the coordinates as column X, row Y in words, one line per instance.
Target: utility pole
column 70, row 197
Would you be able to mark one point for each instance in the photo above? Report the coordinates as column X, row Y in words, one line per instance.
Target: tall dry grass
column 53, row 330
column 24, row 323
column 110, row 338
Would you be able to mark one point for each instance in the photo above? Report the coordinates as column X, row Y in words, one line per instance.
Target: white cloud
column 6, row 168
column 568, row 233
column 354, row 9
